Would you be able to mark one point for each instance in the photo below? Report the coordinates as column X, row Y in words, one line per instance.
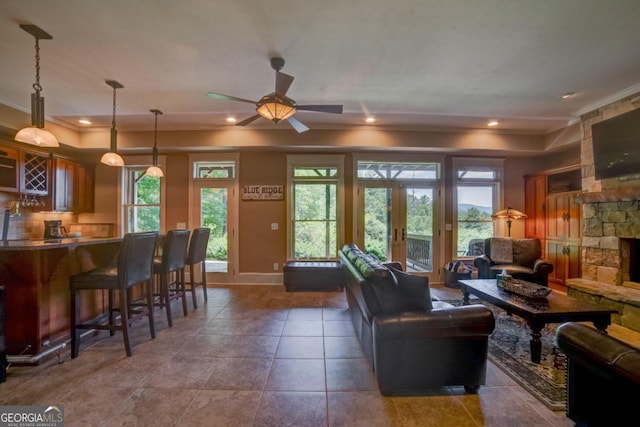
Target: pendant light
column 36, row 134
column 155, row 170
column 112, row 158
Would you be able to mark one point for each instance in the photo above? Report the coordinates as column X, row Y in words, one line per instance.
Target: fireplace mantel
column 614, row 195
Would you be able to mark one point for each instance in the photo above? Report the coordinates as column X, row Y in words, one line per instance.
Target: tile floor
column 254, row 356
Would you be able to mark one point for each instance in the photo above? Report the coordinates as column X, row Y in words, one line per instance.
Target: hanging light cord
column 36, row 86
column 113, row 120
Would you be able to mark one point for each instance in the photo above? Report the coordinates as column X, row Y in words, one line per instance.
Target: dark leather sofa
column 527, row 263
column 412, row 342
column 603, row 383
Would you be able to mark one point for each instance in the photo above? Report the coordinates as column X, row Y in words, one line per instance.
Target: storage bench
column 319, row 276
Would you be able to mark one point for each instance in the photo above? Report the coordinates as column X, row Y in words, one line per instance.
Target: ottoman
column 319, row 276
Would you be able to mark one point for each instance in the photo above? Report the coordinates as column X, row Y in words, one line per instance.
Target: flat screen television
column 616, row 145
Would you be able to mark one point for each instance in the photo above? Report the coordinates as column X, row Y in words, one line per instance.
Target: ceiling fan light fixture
column 274, row 109
column 112, row 158
column 154, row 170
column 36, row 134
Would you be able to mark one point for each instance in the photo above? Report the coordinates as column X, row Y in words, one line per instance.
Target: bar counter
column 36, row 274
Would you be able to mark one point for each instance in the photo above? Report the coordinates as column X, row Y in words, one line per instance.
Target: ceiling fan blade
column 297, row 125
column 335, row 109
column 228, row 98
column 283, row 82
column 247, row 121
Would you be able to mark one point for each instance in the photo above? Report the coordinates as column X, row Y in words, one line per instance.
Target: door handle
column 403, row 234
column 395, row 234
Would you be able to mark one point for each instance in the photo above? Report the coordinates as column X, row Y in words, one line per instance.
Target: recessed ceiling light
column 231, row 120
column 84, row 121
column 492, row 123
column 567, row 95
column 370, row 119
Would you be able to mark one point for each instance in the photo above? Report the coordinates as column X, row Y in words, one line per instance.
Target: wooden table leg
column 535, row 345
column 465, row 295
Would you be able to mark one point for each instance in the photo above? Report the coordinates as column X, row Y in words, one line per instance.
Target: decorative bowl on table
column 524, row 288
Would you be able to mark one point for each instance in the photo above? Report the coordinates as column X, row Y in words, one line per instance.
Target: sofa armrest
column 599, row 352
column 542, row 267
column 463, row 321
column 397, row 265
column 483, row 264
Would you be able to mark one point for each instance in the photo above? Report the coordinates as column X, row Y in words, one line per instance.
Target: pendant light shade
column 155, row 170
column 36, row 134
column 112, row 158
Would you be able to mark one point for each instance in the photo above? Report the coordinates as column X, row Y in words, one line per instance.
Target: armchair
column 521, row 258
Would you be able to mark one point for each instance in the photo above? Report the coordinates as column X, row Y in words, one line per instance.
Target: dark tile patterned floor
column 254, row 356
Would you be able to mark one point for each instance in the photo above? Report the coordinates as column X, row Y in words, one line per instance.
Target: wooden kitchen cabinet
column 73, row 187
column 63, row 185
column 84, row 192
column 34, row 173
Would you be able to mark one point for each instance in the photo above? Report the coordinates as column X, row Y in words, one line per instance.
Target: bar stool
column 134, row 266
column 169, row 269
column 197, row 255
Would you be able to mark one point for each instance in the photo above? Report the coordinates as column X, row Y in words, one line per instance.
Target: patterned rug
column 509, row 350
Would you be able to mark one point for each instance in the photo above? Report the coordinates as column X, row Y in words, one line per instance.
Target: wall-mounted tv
column 616, row 145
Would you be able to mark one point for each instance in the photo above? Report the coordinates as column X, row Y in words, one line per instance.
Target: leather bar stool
column 134, row 266
column 197, row 255
column 169, row 267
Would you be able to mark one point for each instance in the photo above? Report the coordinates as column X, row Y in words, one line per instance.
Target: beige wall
column 259, row 246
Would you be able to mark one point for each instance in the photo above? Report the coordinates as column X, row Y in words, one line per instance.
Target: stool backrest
column 174, row 249
column 135, row 259
column 198, row 245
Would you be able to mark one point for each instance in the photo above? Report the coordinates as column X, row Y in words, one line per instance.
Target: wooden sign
column 262, row 192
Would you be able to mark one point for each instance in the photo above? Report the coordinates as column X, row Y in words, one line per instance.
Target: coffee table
column 555, row 308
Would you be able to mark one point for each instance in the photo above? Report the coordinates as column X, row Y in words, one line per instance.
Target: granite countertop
column 40, row 244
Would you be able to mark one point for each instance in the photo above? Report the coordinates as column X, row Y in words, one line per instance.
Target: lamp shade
column 36, row 136
column 509, row 213
column 112, row 159
column 154, row 171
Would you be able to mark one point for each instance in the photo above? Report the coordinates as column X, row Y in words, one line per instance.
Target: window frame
column 141, row 163
column 321, row 161
column 495, row 165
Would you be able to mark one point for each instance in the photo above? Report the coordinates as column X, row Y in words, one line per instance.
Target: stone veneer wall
column 610, row 213
column 613, row 212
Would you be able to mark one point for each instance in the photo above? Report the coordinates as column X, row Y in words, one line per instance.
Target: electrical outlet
column 181, row 225
column 276, row 267
column 274, row 226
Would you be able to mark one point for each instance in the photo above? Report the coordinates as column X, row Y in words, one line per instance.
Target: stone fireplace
column 610, row 230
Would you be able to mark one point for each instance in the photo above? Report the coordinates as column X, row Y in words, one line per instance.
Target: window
column 477, row 195
column 222, row 169
column 314, row 211
column 398, row 170
column 143, row 200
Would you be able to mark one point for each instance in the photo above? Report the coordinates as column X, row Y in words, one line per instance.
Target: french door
column 214, row 203
column 397, row 222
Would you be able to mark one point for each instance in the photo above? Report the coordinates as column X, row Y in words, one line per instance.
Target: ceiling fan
column 276, row 106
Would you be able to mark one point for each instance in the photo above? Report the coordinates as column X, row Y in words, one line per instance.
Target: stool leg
column 164, row 290
column 112, row 320
column 124, row 321
column 181, row 288
column 75, row 333
column 203, row 277
column 193, row 285
column 152, row 327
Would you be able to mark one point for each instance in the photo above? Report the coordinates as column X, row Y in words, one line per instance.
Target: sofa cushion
column 413, row 291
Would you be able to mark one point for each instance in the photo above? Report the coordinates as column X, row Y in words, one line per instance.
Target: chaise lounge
column 412, row 342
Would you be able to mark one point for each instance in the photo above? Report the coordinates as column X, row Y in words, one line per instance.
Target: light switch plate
column 274, row 225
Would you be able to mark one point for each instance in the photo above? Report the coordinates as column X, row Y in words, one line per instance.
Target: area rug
column 509, row 350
